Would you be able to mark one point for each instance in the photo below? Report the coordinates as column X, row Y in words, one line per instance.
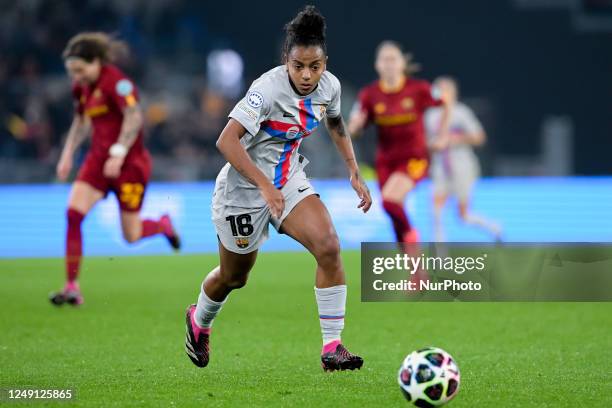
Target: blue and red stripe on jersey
column 308, row 123
column 281, row 171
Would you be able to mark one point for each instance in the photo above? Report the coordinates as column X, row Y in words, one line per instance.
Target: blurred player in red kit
column 106, row 102
column 396, row 104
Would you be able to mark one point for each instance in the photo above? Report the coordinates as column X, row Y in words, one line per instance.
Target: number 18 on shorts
column 243, row 232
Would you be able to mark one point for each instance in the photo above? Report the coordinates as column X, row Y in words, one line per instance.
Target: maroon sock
column 401, row 225
column 74, row 244
column 150, row 228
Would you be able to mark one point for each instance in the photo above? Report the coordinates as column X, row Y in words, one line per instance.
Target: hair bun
column 309, row 24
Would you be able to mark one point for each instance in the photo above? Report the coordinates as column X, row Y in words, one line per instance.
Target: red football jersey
column 103, row 102
column 398, row 115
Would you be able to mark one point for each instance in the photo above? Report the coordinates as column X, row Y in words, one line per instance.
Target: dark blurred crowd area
column 192, row 60
column 175, row 62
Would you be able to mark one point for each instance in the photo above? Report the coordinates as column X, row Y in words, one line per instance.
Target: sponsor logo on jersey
column 396, row 120
column 255, row 99
column 303, row 188
column 293, row 132
column 288, row 115
column 124, row 87
column 242, row 242
column 250, row 112
column 96, row 111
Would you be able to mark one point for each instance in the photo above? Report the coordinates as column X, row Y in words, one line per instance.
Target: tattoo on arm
column 132, row 122
column 337, row 125
column 339, row 134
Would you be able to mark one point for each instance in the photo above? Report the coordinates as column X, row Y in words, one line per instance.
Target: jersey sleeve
column 121, row 92
column 470, row 121
column 252, row 110
column 334, row 107
column 430, row 96
column 79, row 99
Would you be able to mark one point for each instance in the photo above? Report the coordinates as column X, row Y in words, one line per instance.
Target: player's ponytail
column 306, row 29
column 91, row 45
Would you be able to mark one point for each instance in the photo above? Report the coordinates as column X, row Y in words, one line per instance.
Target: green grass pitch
column 124, row 347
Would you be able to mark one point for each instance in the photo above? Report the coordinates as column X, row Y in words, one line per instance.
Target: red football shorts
column 129, row 187
column 416, row 168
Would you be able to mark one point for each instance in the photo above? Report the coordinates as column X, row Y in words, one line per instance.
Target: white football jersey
column 454, row 159
column 277, row 120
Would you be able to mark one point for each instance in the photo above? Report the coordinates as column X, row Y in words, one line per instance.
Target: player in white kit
column 454, row 165
column 264, row 182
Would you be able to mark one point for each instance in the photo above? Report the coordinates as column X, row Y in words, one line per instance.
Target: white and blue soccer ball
column 429, row 377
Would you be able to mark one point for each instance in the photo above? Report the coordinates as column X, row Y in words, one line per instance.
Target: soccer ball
column 429, row 377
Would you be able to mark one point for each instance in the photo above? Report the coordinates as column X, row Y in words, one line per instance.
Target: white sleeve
column 470, row 121
column 252, row 110
column 334, row 108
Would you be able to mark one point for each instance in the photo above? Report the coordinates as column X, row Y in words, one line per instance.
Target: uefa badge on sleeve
column 255, row 99
column 124, row 87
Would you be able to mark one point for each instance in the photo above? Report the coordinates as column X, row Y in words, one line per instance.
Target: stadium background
column 536, row 73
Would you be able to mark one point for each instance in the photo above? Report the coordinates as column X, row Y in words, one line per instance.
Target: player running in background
column 454, row 166
column 106, row 102
column 264, row 183
column 396, row 104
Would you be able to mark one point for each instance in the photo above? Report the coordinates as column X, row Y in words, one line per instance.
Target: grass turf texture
column 125, row 345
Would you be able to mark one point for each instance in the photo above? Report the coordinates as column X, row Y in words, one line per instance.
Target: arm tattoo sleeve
column 337, row 125
column 132, row 122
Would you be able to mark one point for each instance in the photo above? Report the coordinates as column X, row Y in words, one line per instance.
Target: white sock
column 206, row 309
column 439, row 235
column 332, row 304
column 479, row 221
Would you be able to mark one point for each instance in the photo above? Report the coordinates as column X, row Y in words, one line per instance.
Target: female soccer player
column 454, row 166
column 396, row 103
column 264, row 182
column 106, row 102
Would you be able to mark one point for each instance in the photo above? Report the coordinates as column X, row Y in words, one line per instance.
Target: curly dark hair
column 306, row 29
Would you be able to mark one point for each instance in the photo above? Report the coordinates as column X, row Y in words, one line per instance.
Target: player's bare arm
column 357, row 122
column 231, row 149
column 79, row 130
column 442, row 141
column 130, row 128
column 132, row 123
column 343, row 143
